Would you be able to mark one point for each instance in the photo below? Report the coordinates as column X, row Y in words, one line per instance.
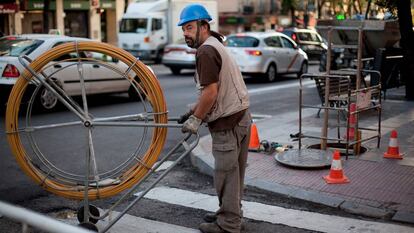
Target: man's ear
column 204, row 27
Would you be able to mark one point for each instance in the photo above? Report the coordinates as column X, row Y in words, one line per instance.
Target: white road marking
column 261, row 90
column 164, row 166
column 276, row 215
column 129, row 223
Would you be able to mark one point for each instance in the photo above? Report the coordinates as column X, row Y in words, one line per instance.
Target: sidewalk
column 378, row 187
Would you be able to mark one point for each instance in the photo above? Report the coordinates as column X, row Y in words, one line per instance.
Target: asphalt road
column 266, row 99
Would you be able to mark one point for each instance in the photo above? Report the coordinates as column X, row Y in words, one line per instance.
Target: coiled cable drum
column 128, row 177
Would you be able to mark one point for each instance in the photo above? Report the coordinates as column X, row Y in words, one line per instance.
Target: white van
column 148, row 26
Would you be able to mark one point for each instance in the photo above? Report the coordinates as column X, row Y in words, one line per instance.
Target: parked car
column 267, row 53
column 179, row 56
column 99, row 78
column 308, row 40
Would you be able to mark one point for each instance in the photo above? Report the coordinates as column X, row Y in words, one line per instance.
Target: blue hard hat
column 193, row 12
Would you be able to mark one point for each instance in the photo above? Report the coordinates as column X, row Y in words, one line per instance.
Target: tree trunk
column 349, row 9
column 46, row 16
column 319, row 9
column 358, row 3
column 368, row 9
column 407, row 36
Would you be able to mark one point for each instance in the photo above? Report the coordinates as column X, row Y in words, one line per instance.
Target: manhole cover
column 305, row 158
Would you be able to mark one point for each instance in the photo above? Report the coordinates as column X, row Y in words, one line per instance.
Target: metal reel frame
column 67, row 185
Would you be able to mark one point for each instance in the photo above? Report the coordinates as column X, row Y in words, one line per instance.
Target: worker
column 223, row 104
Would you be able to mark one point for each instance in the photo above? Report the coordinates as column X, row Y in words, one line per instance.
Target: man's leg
column 226, row 179
column 243, row 153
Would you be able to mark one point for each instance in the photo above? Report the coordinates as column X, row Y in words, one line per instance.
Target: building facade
column 95, row 19
column 99, row 19
column 8, row 12
column 249, row 15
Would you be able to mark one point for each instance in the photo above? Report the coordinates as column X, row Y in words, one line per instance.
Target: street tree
column 320, row 5
column 290, row 6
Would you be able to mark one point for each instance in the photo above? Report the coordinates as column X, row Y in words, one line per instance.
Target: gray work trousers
column 230, row 148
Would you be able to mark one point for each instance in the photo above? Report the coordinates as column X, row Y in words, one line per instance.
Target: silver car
column 179, row 56
column 267, row 54
column 98, row 77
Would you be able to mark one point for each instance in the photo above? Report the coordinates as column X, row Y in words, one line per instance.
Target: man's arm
column 206, row 101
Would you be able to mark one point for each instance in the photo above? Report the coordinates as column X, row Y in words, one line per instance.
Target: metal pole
column 86, row 191
column 379, row 118
column 38, row 221
column 348, row 117
column 300, row 112
column 326, row 111
column 358, row 81
column 359, row 60
column 142, row 194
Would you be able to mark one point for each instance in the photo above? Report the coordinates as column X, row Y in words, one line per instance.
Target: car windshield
column 13, row 46
column 306, row 36
column 134, row 25
column 242, row 41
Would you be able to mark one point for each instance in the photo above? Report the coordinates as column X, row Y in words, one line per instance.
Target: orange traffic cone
column 393, row 152
column 336, row 175
column 352, row 122
column 254, row 143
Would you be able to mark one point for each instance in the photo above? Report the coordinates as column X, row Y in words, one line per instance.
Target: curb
column 203, row 161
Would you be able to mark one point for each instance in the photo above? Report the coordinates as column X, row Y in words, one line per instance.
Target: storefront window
column 76, row 23
column 37, row 27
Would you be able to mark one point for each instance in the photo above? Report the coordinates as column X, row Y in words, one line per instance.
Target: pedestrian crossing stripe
column 275, row 214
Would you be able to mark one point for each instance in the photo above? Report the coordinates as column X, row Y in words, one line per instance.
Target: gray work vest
column 232, row 92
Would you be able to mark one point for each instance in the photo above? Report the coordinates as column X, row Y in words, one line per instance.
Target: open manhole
column 305, row 158
column 341, row 147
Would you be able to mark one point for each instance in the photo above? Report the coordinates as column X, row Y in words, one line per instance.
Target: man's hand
column 183, row 118
column 191, row 125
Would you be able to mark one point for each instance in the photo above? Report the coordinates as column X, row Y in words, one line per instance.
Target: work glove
column 183, row 118
column 191, row 125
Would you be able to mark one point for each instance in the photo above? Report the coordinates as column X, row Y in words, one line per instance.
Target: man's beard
column 190, row 42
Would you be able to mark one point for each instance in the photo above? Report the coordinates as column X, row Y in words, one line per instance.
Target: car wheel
column 158, row 58
column 303, row 69
column 271, row 73
column 46, row 100
column 175, row 70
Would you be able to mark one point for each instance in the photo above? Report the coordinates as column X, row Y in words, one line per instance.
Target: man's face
column 190, row 33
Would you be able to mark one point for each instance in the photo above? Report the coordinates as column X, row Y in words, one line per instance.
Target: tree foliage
column 390, row 5
column 287, row 5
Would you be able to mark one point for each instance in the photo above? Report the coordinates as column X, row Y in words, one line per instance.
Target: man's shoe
column 210, row 217
column 211, row 227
